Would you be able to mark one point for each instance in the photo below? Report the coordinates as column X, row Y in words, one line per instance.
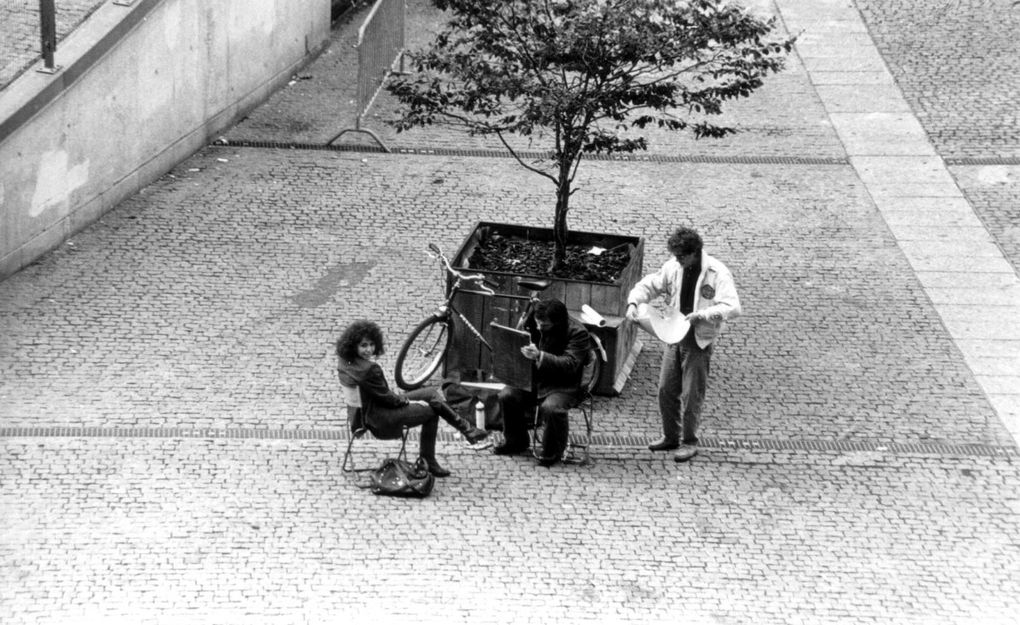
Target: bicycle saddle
column 534, row 285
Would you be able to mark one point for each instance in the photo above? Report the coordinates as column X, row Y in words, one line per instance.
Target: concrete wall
column 139, row 92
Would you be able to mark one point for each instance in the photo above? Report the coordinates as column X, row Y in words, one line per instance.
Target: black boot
column 427, row 447
column 462, row 425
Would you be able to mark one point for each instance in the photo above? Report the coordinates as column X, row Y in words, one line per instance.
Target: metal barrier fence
column 380, row 47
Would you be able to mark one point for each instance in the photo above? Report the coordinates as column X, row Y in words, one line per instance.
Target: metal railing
column 48, row 33
column 380, row 47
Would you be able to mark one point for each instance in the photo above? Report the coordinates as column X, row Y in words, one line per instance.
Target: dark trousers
column 413, row 415
column 518, row 410
column 683, row 380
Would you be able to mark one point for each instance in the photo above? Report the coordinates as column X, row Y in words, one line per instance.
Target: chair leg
column 348, row 457
column 587, row 412
column 348, row 464
column 403, row 444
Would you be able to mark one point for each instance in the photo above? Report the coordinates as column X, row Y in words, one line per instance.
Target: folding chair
column 586, row 404
column 357, row 419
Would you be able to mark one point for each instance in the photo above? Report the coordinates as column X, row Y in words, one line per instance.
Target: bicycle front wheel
column 423, row 352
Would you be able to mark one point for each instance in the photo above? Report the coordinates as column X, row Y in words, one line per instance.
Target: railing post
column 48, row 34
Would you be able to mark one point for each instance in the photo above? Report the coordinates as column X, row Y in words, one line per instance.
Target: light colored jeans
column 683, row 380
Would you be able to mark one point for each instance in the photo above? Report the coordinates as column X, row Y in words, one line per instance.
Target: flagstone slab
column 911, row 232
column 844, row 98
column 907, row 169
column 880, row 133
column 955, row 203
column 995, row 367
column 951, row 249
column 995, row 282
column 837, row 63
column 968, row 293
column 947, row 220
column 1008, row 407
column 913, row 189
column 993, row 328
column 992, row 349
column 999, row 384
column 854, row 50
column 820, row 78
column 966, row 264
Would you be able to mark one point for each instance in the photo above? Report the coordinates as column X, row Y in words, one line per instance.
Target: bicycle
column 427, row 345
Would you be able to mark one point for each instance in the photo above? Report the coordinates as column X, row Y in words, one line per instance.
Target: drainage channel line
column 483, row 153
column 602, row 442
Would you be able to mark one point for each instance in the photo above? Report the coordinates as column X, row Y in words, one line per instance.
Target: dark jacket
column 565, row 354
column 368, row 376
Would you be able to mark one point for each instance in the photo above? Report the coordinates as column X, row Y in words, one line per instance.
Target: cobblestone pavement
column 958, row 64
column 170, row 442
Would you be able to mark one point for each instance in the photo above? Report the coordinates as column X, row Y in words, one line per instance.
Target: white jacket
column 715, row 295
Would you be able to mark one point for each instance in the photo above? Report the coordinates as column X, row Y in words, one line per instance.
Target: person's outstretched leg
column 462, row 425
column 413, row 415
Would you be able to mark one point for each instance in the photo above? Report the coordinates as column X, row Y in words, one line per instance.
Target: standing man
column 701, row 288
column 559, row 348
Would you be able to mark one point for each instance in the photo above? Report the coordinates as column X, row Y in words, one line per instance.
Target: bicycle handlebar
column 486, row 285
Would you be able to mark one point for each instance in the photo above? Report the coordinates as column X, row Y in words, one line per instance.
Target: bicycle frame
column 428, row 350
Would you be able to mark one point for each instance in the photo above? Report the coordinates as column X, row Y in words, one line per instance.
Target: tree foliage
column 586, row 72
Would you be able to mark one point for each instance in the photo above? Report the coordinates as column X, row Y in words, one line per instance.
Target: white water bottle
column 480, row 415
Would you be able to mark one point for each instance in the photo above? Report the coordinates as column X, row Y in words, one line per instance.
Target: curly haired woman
column 387, row 412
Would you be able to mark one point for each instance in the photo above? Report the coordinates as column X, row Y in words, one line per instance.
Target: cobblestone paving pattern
column 994, row 192
column 223, row 286
column 147, row 531
column 958, row 65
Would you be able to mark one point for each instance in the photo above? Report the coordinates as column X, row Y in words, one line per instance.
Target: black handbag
column 400, row 478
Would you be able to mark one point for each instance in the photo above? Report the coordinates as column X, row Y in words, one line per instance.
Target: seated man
column 559, row 347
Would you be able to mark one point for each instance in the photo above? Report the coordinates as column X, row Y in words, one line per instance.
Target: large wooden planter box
column 472, row 360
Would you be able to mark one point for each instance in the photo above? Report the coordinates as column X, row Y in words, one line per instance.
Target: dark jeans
column 518, row 408
column 412, row 415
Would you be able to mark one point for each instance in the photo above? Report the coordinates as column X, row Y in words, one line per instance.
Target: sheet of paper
column 669, row 329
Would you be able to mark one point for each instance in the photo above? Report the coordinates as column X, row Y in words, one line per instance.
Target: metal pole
column 48, row 32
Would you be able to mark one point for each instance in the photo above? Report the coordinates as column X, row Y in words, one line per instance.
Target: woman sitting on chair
column 386, row 412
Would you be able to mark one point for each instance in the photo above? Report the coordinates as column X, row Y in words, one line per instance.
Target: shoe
column 664, row 444
column 509, row 450
column 548, row 461
column 475, row 435
column 437, row 470
column 686, row 453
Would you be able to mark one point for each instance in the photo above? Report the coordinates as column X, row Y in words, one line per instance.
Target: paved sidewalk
column 170, row 430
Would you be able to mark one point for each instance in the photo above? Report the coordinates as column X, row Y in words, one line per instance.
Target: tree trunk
column 560, row 231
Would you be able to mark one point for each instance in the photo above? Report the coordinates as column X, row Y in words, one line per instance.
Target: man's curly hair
column 684, row 241
column 347, row 344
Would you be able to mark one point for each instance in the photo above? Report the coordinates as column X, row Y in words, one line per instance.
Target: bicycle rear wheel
column 423, row 352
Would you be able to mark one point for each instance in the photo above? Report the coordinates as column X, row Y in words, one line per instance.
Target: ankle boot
column 462, row 425
column 436, row 469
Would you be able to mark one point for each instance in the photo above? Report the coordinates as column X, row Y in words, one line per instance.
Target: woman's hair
column 347, row 344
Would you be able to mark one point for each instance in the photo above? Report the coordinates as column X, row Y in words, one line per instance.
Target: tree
column 586, row 71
